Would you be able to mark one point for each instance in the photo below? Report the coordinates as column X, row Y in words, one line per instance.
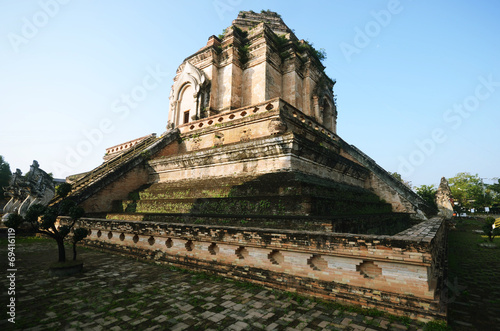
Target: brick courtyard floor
column 120, row 293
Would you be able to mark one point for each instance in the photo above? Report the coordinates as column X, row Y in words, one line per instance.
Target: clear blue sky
column 418, row 82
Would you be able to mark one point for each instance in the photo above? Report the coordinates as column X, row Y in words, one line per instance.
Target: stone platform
column 251, row 145
column 399, row 274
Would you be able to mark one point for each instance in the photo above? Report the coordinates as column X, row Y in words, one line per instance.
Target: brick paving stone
column 384, row 324
column 186, row 307
column 217, row 317
column 117, row 309
column 301, row 326
column 346, row 321
column 138, row 321
column 179, row 327
column 268, row 315
column 316, row 313
column 357, row 327
column 146, row 312
column 399, row 326
column 323, row 324
column 160, row 318
column 238, row 306
column 257, row 325
column 237, row 317
column 228, row 304
column 238, row 326
column 272, row 326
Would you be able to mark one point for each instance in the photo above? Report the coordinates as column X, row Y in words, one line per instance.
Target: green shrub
column 488, row 228
column 438, row 325
column 14, row 221
column 63, row 189
column 134, row 196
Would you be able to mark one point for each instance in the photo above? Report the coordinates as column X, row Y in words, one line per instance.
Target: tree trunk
column 62, row 251
column 74, row 251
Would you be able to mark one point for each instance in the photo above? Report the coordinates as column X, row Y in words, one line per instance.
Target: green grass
column 472, row 272
column 20, row 239
column 437, row 326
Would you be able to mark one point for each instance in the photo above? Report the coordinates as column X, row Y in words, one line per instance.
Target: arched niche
column 329, row 113
column 323, row 105
column 187, row 104
column 189, row 95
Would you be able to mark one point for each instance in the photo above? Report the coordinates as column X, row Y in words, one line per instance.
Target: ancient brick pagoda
column 251, row 181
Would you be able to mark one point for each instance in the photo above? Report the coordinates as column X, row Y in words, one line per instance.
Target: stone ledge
column 424, row 230
column 411, row 238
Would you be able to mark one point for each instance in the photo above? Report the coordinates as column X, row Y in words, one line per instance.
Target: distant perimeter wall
column 400, row 274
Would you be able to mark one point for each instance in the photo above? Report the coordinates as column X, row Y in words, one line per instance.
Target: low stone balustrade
column 400, row 274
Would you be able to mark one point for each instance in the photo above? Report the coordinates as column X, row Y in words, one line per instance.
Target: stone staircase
column 289, row 200
column 283, row 194
column 117, row 166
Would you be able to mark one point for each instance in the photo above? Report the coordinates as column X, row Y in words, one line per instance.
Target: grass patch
column 437, row 326
column 472, row 273
column 251, row 287
column 195, row 302
column 27, row 240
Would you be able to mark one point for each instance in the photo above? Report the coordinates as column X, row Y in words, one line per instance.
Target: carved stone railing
column 230, row 116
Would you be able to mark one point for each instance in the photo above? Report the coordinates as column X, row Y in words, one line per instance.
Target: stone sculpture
column 443, row 200
column 36, row 187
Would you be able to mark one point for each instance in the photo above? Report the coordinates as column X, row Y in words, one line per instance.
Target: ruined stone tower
column 258, row 58
column 252, row 108
column 251, row 181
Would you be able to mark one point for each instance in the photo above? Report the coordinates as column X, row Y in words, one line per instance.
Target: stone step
column 254, row 205
column 280, row 184
column 388, row 224
column 165, row 192
column 257, row 205
column 272, row 222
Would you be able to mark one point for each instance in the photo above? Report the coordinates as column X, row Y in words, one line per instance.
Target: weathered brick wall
column 102, row 200
column 387, row 187
column 399, row 274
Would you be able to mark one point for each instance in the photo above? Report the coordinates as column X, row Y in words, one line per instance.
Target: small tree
column 14, row 221
column 43, row 220
column 489, row 230
column 63, row 189
column 428, row 193
column 399, row 178
column 78, row 235
column 470, row 190
column 5, row 176
column 495, row 189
